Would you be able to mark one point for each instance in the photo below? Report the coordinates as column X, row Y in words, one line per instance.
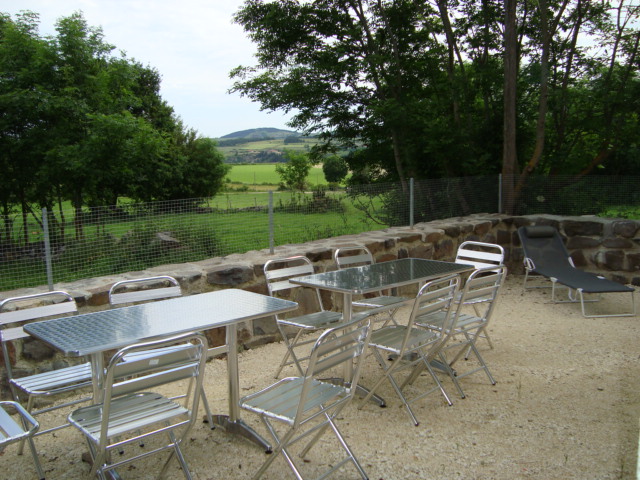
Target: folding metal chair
column 277, row 273
column 131, row 412
column 18, row 431
column 407, row 350
column 482, row 289
column 359, row 255
column 480, row 255
column 148, row 289
column 14, row 313
column 307, row 405
column 143, row 290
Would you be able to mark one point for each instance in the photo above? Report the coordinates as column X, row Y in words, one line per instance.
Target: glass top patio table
column 96, row 332
column 380, row 276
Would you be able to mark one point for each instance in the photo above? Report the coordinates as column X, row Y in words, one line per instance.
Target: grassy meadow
column 126, row 239
column 260, row 174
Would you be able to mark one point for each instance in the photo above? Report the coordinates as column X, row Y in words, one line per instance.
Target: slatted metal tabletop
column 93, row 332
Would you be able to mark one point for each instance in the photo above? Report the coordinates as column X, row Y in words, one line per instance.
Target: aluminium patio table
column 96, row 332
column 379, row 276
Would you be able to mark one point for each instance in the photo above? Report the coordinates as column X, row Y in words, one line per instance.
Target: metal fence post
column 47, row 248
column 499, row 193
column 271, row 223
column 411, row 202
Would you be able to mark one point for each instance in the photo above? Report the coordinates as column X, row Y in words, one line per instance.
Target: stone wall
column 608, row 246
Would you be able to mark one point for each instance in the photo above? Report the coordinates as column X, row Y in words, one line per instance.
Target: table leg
column 97, row 375
column 232, row 423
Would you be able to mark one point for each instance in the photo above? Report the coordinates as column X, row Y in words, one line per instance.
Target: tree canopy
column 293, row 173
column 417, row 88
column 79, row 123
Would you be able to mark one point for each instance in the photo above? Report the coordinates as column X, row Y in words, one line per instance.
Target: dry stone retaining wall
column 607, row 246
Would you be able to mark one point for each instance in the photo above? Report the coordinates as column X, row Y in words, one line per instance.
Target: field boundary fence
column 45, row 246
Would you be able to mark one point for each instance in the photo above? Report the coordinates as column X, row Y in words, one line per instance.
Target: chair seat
column 141, row 355
column 55, row 381
column 464, row 322
column 381, row 301
column 312, row 321
column 390, row 338
column 471, row 301
column 282, row 399
column 128, row 413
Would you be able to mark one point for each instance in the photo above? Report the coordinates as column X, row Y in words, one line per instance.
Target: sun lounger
column 546, row 255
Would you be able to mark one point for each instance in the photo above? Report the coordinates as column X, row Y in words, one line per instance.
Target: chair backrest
column 279, row 271
column 144, row 290
column 16, row 311
column 437, row 299
column 482, row 288
column 352, row 256
column 182, row 368
column 347, row 342
column 543, row 248
column 480, row 254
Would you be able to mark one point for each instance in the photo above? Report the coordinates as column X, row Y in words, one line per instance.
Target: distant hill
column 261, row 134
column 262, row 145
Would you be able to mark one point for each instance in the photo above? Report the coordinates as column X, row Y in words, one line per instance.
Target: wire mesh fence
column 603, row 195
column 40, row 247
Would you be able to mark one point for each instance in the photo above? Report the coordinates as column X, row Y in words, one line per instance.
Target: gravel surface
column 566, row 406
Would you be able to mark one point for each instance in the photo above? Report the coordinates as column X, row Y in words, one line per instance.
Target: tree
column 335, row 169
column 293, row 174
column 351, row 69
column 419, row 88
column 509, row 131
column 78, row 123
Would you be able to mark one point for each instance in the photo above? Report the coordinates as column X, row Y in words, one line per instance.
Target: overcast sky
column 192, row 43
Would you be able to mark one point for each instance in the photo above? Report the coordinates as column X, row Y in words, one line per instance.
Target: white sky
column 192, row 43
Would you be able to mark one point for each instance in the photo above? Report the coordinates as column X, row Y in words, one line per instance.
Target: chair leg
column 30, row 403
column 436, row 380
column 385, row 369
column 205, row 403
column 483, row 365
column 346, row 447
column 278, row 449
column 388, row 374
column 34, row 452
column 485, row 335
column 178, row 453
column 289, row 353
column 451, row 373
column 341, row 440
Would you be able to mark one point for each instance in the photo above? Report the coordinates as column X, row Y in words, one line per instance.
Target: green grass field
column 265, row 174
column 233, row 223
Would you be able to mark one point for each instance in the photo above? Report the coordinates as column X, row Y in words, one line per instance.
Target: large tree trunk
column 546, row 33
column 509, row 152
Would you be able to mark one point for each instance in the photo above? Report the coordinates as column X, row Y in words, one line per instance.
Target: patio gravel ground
column 566, row 406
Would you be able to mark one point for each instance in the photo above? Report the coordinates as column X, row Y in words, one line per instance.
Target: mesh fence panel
column 132, row 236
column 454, row 197
column 607, row 196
